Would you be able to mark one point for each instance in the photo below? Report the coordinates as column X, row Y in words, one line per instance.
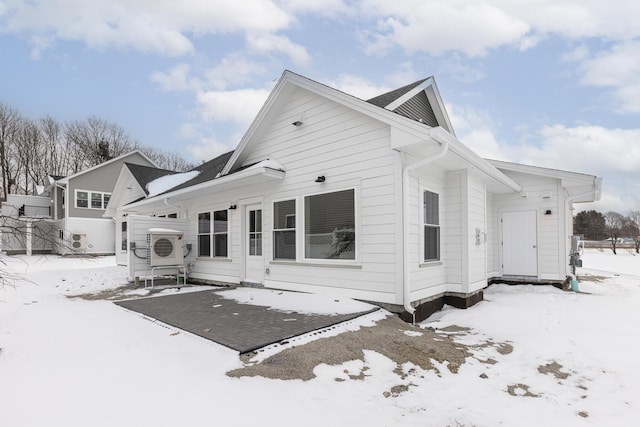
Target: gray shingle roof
column 387, row 98
column 145, row 174
column 208, row 171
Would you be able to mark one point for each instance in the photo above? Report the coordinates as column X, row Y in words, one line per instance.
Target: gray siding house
column 374, row 200
column 68, row 216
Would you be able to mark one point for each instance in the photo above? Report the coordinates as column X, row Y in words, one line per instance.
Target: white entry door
column 253, row 259
column 519, row 244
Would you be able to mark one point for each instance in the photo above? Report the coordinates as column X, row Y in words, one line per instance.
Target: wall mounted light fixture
column 298, row 123
column 547, row 212
column 321, row 178
column 232, row 207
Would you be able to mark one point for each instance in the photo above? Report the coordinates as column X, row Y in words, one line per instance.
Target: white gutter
column 444, row 147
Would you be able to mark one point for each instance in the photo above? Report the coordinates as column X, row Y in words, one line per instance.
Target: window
column 330, row 226
column 123, row 234
column 213, row 240
column 204, row 234
column 255, row 232
column 92, row 199
column 284, row 230
column 431, row 226
column 220, row 227
column 82, row 199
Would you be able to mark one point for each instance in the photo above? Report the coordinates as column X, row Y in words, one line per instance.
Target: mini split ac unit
column 164, row 247
column 78, row 241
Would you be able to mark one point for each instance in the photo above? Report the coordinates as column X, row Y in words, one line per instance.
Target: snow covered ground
column 72, row 362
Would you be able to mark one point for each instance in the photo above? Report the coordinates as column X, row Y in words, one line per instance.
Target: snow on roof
column 164, row 230
column 165, row 183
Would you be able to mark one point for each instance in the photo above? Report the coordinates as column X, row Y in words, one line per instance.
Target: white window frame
column 424, row 225
column 287, row 222
column 301, row 236
column 90, row 194
column 212, row 233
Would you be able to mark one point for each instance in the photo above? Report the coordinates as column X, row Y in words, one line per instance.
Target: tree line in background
column 593, row 225
column 30, row 150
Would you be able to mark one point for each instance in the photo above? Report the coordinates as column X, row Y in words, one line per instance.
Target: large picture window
column 431, row 220
column 284, row 230
column 92, row 199
column 213, row 235
column 330, row 226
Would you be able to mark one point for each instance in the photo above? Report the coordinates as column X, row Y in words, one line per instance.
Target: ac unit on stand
column 164, row 247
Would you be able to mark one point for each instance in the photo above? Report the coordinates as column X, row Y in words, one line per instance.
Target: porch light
column 321, row 178
column 232, row 207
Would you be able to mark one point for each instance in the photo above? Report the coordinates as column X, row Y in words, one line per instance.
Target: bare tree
column 94, row 141
column 634, row 217
column 9, row 119
column 169, row 160
column 615, row 222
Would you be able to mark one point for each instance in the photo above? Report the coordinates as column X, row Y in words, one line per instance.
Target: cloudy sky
column 550, row 83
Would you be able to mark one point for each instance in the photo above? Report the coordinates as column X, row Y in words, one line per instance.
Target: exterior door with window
column 253, row 258
column 519, row 244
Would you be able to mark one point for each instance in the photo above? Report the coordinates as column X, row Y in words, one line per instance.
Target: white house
column 375, row 200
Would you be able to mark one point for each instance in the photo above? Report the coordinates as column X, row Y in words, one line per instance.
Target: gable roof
column 65, row 180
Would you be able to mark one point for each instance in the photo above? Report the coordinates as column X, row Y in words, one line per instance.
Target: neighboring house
column 374, row 200
column 68, row 215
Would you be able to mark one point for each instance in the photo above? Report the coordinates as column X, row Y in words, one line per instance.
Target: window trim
column 212, row 233
column 89, row 199
column 295, row 216
column 424, row 225
column 301, row 237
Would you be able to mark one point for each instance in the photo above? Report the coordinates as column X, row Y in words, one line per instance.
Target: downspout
column 444, row 147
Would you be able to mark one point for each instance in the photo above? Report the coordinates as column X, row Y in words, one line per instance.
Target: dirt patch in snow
column 553, row 368
column 391, row 337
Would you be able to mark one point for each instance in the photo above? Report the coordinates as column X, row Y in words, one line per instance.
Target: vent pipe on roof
column 406, row 282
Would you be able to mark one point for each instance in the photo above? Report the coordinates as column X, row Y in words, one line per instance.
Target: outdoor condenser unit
column 78, row 241
column 164, row 247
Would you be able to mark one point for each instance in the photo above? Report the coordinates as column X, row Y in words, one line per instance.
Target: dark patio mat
column 242, row 327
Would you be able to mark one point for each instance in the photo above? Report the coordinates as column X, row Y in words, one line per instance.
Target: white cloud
column 618, row 69
column 238, row 106
column 159, row 26
column 439, row 26
column 358, row 86
column 475, row 27
column 177, row 79
column 234, row 69
column 265, row 43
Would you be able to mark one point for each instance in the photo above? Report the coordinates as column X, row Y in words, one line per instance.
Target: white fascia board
column 565, row 176
column 227, row 179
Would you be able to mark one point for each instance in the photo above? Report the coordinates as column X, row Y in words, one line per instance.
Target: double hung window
column 213, row 229
column 431, row 218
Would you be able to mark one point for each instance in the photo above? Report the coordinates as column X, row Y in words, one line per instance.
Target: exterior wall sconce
column 298, row 123
column 232, row 207
column 547, row 212
column 321, row 178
